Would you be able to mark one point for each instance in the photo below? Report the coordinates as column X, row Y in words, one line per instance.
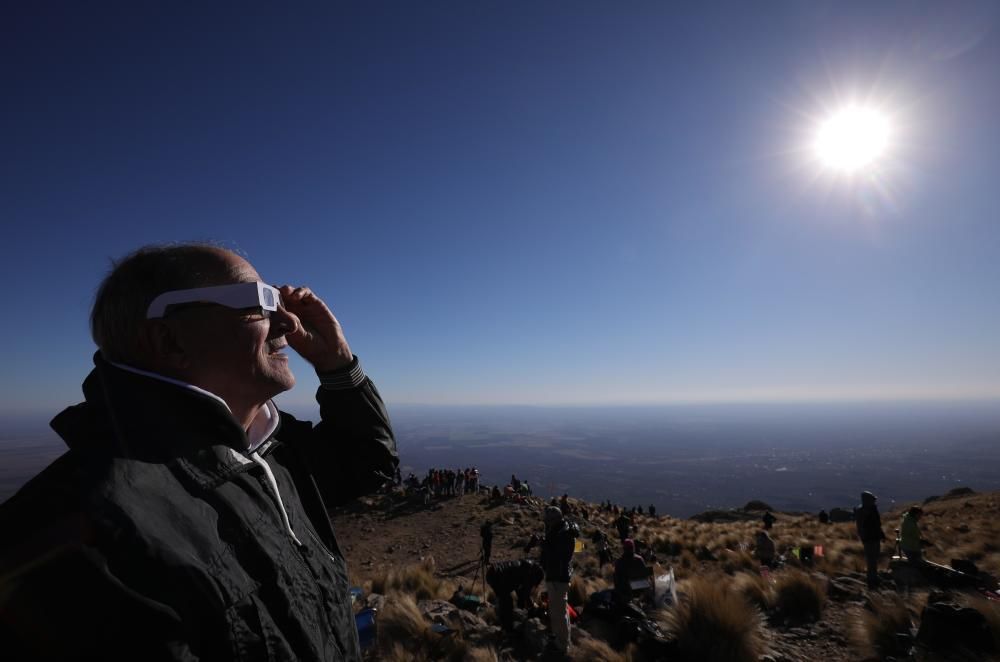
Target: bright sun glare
column 852, row 139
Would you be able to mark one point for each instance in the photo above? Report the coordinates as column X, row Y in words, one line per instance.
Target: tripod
column 480, row 570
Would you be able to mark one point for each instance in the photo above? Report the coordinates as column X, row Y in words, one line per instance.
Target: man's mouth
column 276, row 351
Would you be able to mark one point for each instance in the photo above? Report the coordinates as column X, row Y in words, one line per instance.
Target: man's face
column 238, row 355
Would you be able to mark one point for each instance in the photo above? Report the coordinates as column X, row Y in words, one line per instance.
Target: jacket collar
column 141, row 416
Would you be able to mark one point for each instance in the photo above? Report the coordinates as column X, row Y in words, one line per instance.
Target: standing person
column 652, row 510
column 869, row 525
column 520, row 577
column 188, row 519
column 486, row 535
column 764, row 548
column 557, row 556
column 623, row 524
column 824, row 517
column 909, row 534
column 768, row 520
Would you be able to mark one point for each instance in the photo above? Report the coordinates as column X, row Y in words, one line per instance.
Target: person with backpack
column 557, row 556
column 869, row 525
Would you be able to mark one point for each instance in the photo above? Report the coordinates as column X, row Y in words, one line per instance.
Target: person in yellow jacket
column 909, row 534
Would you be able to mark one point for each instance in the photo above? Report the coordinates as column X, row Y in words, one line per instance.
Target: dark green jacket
column 150, row 539
column 909, row 533
column 557, row 551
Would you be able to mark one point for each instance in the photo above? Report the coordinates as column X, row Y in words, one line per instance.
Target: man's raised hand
column 318, row 338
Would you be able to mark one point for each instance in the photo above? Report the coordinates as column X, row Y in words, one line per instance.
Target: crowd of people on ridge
column 446, row 482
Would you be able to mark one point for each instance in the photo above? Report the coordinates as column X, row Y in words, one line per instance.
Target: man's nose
column 284, row 322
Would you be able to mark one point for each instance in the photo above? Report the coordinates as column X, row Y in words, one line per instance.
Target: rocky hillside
column 414, row 556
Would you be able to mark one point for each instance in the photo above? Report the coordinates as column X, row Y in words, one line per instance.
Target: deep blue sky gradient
column 516, row 202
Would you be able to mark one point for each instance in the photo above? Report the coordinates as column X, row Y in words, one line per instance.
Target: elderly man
column 188, row 520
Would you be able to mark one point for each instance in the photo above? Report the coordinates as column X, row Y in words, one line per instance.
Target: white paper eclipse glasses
column 238, row 295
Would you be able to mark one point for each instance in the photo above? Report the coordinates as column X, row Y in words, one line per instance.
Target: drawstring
column 274, row 488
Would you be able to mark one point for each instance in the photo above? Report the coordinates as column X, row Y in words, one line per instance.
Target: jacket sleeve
column 352, row 450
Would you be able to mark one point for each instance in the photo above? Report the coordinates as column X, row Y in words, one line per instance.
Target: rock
column 476, row 630
column 534, row 637
column 375, row 601
column 579, row 635
column 440, row 612
column 847, row 588
column 946, row 626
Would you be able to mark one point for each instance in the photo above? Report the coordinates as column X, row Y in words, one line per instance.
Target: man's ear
column 166, row 346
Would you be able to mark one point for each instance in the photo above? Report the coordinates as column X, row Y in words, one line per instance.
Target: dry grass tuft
column 876, row 632
column 417, row 580
column 714, row 623
column 580, row 589
column 404, row 635
column 734, row 561
column 799, row 597
column 481, row 655
column 754, row 589
column 594, row 650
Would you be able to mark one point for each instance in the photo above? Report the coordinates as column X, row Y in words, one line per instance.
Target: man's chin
column 282, row 381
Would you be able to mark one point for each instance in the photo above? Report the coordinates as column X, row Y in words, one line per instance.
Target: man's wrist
column 347, row 376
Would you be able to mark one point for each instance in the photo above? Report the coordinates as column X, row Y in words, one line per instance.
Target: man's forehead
column 238, row 268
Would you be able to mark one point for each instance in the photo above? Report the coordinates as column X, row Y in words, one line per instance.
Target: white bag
column 665, row 590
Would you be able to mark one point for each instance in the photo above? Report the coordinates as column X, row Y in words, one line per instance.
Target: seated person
column 629, row 568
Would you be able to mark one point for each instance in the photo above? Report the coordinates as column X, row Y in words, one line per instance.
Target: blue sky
column 516, row 202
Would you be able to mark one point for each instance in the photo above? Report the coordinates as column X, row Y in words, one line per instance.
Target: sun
column 853, row 139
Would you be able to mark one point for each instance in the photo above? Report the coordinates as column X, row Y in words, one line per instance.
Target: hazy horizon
column 686, row 459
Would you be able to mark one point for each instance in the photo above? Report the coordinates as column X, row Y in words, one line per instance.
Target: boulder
column 440, row 612
column 847, row 588
column 534, row 637
column 375, row 601
column 945, row 626
column 756, row 504
column 476, row 630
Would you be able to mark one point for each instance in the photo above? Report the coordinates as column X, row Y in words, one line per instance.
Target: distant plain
column 684, row 458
